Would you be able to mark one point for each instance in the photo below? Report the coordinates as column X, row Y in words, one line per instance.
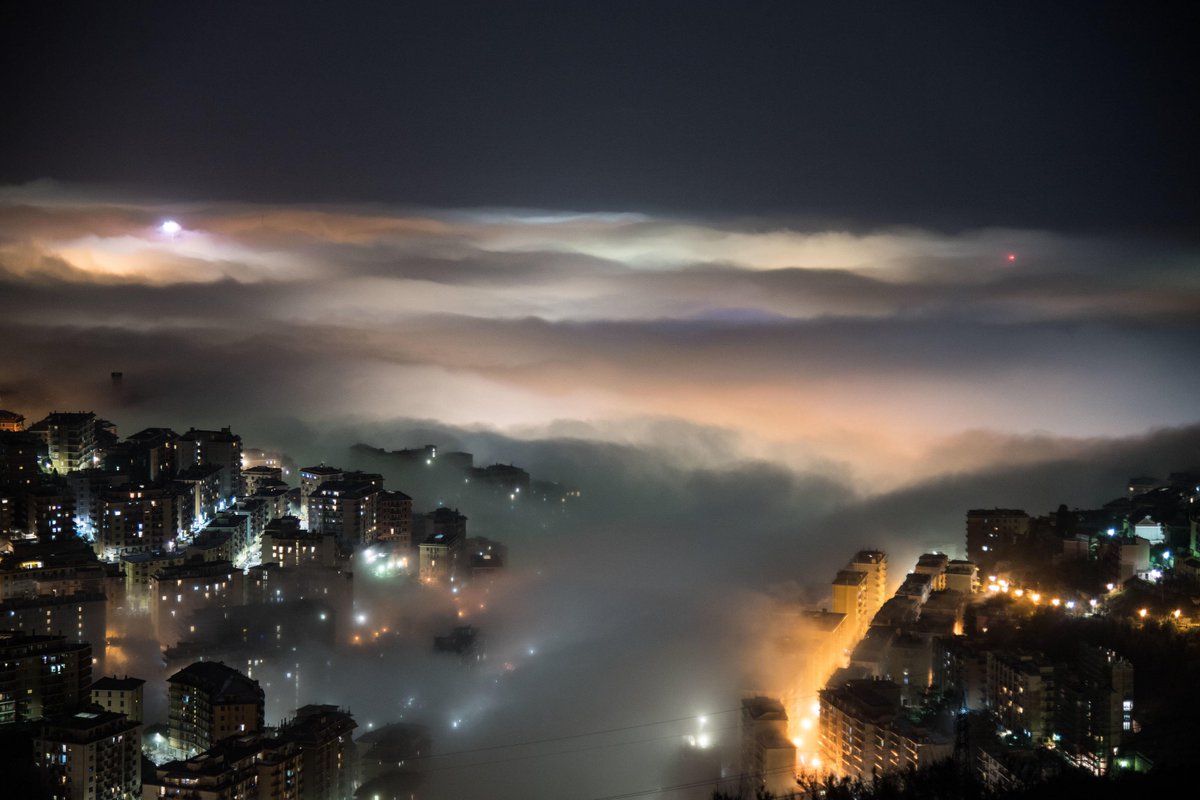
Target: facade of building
column 139, row 568
column 254, row 477
column 10, row 526
column 285, row 543
column 79, row 617
column 140, row 519
column 993, row 532
column 1021, row 693
column 349, row 510
column 916, row 586
column 248, row 767
column 872, row 563
column 212, row 545
column 221, row 448
column 258, row 511
column 441, row 520
column 70, row 439
column 768, row 759
column 91, row 755
column 147, row 456
column 1123, row 557
column 178, row 593
column 239, row 528
column 88, row 487
column 21, row 456
column 935, row 566
column 50, row 511
column 440, row 557
column 64, row 567
column 395, row 518
column 210, row 702
column 281, row 500
column 11, row 421
column 1095, row 709
column 863, row 732
column 200, row 490
column 41, row 675
column 1004, row 769
column 504, row 479
column 120, row 696
column 962, row 577
column 850, row 598
column 311, row 479
column 325, row 737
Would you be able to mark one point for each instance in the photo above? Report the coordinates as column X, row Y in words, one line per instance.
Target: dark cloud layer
column 1028, row 114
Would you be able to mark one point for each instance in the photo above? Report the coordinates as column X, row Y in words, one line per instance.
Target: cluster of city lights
column 998, row 586
column 702, row 739
column 807, row 760
column 1175, row 615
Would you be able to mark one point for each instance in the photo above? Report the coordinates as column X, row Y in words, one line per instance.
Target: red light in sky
column 1012, row 256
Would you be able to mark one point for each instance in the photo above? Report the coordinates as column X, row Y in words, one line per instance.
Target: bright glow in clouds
column 894, row 354
column 693, row 379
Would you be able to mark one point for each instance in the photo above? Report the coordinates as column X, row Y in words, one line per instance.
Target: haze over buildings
column 644, row 316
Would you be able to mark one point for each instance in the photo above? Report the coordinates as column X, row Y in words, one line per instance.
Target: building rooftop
column 898, row 611
column 53, row 554
column 144, row 558
column 156, row 435
column 200, row 435
column 823, row 621
column 870, row 700
column 314, row 723
column 68, row 417
column 225, row 684
column 210, row 539
column 848, row 577
column 18, row 638
column 442, row 537
column 194, row 569
column 251, row 504
column 321, row 469
column 199, row 472
column 348, row 489
column 117, row 684
column 874, row 646
column 43, row 600
column 85, row 726
column 763, row 708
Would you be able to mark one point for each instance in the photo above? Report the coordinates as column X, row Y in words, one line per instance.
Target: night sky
column 770, row 282
column 1078, row 115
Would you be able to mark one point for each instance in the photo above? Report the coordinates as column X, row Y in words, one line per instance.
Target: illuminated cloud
column 871, row 349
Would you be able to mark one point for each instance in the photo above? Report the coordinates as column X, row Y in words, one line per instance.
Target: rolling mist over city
column 518, row 389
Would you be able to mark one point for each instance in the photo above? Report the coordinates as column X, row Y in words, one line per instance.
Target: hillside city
column 1060, row 650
